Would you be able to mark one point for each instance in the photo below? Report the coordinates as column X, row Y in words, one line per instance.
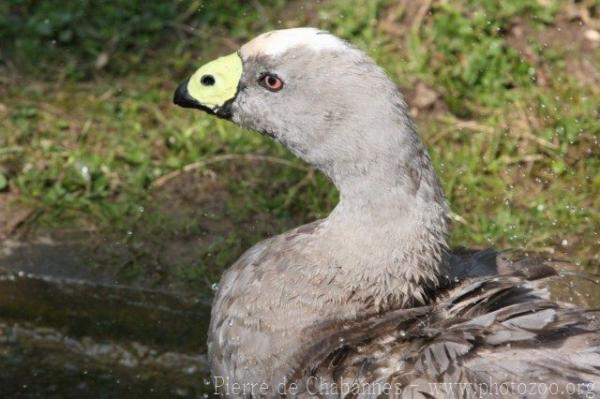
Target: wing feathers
column 494, row 329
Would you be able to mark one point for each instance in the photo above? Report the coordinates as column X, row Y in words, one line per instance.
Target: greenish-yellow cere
column 226, row 71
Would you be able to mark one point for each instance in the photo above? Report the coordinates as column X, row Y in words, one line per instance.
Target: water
column 72, row 338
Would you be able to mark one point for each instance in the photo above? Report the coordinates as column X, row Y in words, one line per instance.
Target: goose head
column 325, row 100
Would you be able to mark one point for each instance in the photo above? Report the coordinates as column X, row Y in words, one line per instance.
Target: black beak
column 183, row 98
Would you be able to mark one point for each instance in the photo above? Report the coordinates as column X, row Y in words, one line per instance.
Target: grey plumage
column 370, row 295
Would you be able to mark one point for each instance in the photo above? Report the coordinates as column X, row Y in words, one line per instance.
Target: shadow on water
column 72, row 338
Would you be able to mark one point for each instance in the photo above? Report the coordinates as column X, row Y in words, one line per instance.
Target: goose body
column 369, row 302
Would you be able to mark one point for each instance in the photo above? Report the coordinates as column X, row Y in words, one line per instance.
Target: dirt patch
column 403, row 17
column 199, row 222
column 12, row 214
column 573, row 32
column 425, row 103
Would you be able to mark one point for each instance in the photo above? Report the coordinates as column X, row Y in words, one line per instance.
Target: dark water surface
column 68, row 338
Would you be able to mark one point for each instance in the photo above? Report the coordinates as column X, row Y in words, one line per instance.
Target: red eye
column 271, row 82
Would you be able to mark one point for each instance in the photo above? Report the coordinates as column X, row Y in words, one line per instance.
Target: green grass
column 86, row 129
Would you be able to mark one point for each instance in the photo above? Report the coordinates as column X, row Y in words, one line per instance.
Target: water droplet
column 191, row 369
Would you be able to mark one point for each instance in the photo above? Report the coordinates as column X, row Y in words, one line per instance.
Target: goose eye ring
column 271, row 82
